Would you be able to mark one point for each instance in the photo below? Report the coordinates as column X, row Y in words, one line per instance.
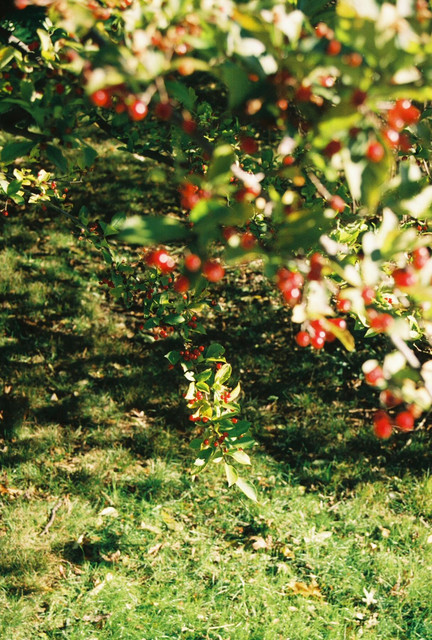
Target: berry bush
column 297, row 137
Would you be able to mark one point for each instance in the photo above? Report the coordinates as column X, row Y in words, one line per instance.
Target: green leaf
column 235, row 393
column 209, row 211
column 338, row 121
column 55, row 156
column 223, row 374
column 174, row 318
column 241, row 457
column 237, row 83
column 222, row 159
column 247, row 488
column 6, row 55
column 183, row 94
column 152, row 229
column 117, row 220
column 204, row 375
column 215, row 350
column 173, row 357
column 191, row 391
column 89, row 156
column 13, row 150
column 14, row 187
column 195, row 443
column 231, row 474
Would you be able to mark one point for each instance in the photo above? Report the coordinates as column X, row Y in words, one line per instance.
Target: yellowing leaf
column 302, row 589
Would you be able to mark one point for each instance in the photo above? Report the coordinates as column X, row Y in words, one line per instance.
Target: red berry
column 288, row 160
column 375, row 376
column 381, row 322
column 337, row 203
column 192, row 262
column 389, row 399
column 333, row 147
column 247, row 240
column 358, row 97
column 340, row 323
column 182, row 284
column 405, row 421
column 248, row 145
column 382, row 425
column 375, row 152
column 392, row 137
column 408, row 113
column 420, row 257
column 101, row 98
column 162, row 260
column 404, row 278
column 321, row 30
column 368, row 295
column 303, row 339
column 354, row 59
column 343, row 304
column 137, row 110
column 334, row 48
column 213, row 271
column 327, row 81
column 317, row 341
column 189, row 126
column 303, row 93
column 206, row 442
column 164, row 110
column 60, row 88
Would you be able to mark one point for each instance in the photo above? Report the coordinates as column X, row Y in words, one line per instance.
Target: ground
column 104, row 532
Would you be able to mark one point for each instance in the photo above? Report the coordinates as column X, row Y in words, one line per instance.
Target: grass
column 338, row 547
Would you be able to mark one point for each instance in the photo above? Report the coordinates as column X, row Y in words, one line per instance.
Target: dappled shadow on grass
column 309, row 410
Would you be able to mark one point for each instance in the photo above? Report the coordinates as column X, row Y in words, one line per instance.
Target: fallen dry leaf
column 109, row 511
column 302, row 589
column 259, row 543
column 111, row 557
column 155, row 550
column 150, row 527
column 98, row 588
column 9, row 491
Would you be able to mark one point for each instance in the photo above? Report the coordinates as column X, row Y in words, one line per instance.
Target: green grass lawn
column 339, row 545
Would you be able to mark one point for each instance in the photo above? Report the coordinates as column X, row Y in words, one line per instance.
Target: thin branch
column 50, row 522
column 319, row 186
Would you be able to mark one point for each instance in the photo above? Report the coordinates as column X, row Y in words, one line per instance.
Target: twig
column 319, row 186
column 49, row 524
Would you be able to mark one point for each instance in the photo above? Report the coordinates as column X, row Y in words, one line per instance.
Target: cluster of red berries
column 191, row 194
column 317, row 336
column 225, row 397
column 290, row 284
column 383, row 424
column 204, row 419
column 161, row 260
column 163, row 332
column 119, row 97
column 192, row 322
column 379, row 322
column 401, row 115
column 219, row 441
column 192, row 354
column 108, row 282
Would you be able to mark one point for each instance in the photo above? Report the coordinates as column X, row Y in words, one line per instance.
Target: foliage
column 293, row 143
